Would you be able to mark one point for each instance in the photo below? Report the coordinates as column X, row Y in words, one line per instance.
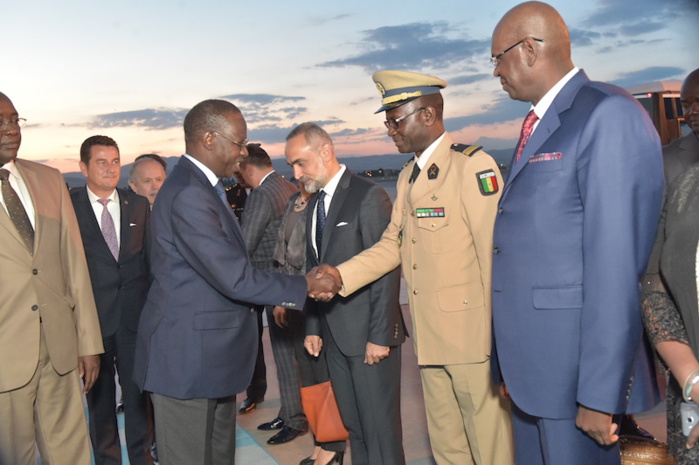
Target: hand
column 313, row 344
column 374, row 353
column 322, row 285
column 281, row 318
column 88, row 370
column 597, row 425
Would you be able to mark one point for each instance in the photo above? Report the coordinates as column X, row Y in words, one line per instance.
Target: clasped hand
column 324, row 282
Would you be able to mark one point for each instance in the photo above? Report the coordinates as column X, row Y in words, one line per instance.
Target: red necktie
column 527, row 128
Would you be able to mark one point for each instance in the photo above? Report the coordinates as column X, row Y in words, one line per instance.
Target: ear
column 208, row 140
column 531, row 50
column 326, row 151
column 429, row 115
column 132, row 186
column 83, row 168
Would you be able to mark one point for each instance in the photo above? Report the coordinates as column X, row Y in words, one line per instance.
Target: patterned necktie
column 108, row 229
column 527, row 128
column 414, row 174
column 320, row 220
column 16, row 211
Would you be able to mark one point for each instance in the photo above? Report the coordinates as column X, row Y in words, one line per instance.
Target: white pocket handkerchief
column 341, row 223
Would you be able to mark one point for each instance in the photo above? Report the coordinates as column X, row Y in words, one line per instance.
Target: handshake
column 324, row 282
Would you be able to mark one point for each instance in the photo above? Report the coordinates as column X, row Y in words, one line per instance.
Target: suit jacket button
column 414, row 240
column 496, row 251
column 415, row 266
column 35, row 307
column 415, row 292
column 500, row 210
column 35, row 271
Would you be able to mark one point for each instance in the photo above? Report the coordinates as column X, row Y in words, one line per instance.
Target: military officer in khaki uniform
column 441, row 231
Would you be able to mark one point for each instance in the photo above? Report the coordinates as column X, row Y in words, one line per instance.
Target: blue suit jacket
column 197, row 337
column 572, row 238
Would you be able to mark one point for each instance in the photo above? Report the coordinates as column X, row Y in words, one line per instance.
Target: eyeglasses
column 395, row 123
column 242, row 145
column 495, row 60
column 18, row 122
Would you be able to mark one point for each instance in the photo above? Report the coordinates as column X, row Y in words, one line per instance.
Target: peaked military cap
column 399, row 87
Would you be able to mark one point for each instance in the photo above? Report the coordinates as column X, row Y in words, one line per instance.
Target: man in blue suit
column 574, row 229
column 197, row 337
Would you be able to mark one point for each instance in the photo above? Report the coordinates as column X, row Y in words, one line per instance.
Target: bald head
column 543, row 56
column 689, row 97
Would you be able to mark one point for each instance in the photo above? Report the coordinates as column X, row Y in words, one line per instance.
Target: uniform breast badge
column 433, row 172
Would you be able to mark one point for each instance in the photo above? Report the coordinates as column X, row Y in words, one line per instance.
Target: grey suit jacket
column 359, row 213
column 120, row 286
column 679, row 155
column 263, row 213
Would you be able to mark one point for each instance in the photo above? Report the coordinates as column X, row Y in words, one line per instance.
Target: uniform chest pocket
column 434, row 234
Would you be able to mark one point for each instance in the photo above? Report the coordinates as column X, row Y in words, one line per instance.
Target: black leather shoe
column 285, row 435
column 307, row 461
column 248, row 405
column 277, row 423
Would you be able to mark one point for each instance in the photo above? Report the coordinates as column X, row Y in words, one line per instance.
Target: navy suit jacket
column 120, row 286
column 197, row 337
column 359, row 213
column 575, row 226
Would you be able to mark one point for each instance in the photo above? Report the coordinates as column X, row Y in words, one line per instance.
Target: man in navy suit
column 197, row 337
column 119, row 274
column 573, row 233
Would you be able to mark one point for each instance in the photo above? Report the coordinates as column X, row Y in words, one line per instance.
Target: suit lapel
column 311, row 254
column 34, row 189
column 85, row 211
column 343, row 189
column 547, row 126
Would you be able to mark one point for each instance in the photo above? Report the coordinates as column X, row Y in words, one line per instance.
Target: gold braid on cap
column 399, row 97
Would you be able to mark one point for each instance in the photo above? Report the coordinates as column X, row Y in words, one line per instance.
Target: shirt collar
column 548, row 98
column 213, row 179
column 94, row 198
column 11, row 167
column 425, row 156
column 331, row 185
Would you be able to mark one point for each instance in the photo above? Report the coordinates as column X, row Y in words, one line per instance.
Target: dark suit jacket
column 359, row 213
column 197, row 337
column 679, row 155
column 263, row 213
column 120, row 287
column 575, row 226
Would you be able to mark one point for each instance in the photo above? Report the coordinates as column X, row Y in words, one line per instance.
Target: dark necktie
column 414, row 174
column 108, row 229
column 221, row 191
column 320, row 220
column 527, row 128
column 16, row 211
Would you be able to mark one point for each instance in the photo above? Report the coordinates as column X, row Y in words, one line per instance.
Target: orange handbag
column 323, row 415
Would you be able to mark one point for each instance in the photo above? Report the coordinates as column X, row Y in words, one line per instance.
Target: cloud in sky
column 265, row 108
column 650, row 74
column 275, row 133
column 150, row 118
column 640, row 16
column 500, row 110
column 412, row 46
column 469, row 79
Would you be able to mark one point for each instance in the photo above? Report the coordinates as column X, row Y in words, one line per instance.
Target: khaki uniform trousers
column 468, row 422
column 48, row 412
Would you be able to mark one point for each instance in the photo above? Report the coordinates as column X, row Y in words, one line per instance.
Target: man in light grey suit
column 360, row 334
column 196, row 340
column 262, row 216
column 682, row 153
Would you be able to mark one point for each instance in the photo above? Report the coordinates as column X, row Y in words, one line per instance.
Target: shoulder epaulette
column 408, row 162
column 467, row 150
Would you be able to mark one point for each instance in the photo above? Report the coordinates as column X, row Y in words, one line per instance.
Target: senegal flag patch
column 487, row 182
